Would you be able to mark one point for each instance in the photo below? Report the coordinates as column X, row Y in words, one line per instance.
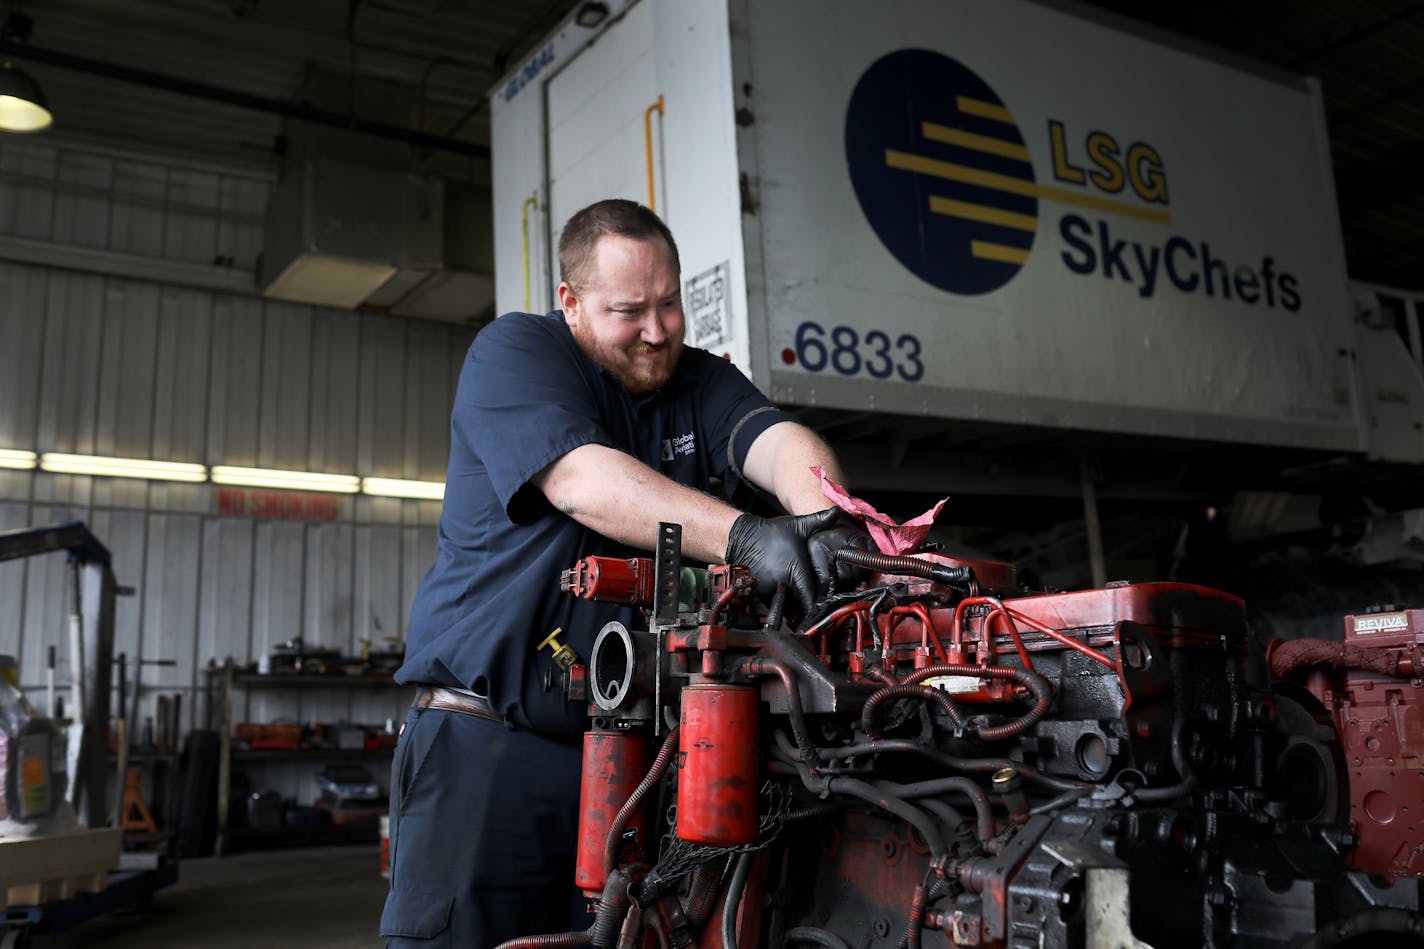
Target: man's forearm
column 616, row 495
column 780, row 461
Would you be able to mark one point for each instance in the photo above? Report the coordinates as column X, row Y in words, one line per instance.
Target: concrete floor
column 313, row 898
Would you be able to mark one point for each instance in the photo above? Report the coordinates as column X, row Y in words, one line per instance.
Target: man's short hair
column 612, row 216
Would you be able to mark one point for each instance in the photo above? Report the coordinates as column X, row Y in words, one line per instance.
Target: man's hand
column 823, row 544
column 775, row 550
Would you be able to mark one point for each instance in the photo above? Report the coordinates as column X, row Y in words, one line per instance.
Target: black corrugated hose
column 818, row 936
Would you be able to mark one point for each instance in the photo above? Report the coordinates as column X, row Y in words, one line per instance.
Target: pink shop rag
column 890, row 537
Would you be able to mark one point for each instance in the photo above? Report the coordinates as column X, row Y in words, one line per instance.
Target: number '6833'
column 842, row 349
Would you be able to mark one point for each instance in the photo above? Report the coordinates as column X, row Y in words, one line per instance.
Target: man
column 572, row 435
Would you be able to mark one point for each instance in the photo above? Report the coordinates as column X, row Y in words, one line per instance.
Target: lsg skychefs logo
column 943, row 174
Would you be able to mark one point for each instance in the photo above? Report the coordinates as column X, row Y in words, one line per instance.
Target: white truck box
column 995, row 210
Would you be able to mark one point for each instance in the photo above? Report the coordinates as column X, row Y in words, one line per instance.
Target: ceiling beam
column 299, row 111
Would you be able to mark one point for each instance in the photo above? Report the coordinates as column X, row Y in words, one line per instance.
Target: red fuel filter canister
column 613, row 764
column 717, row 780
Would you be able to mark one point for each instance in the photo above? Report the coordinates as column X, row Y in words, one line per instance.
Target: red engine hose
column 928, row 633
column 917, row 917
column 955, row 762
column 702, row 891
column 612, row 910
column 1014, row 615
column 907, row 691
column 728, row 595
column 1285, row 656
column 1013, row 635
column 550, row 941
column 905, row 566
column 654, row 921
column 760, row 666
column 625, row 813
column 733, row 904
column 834, row 619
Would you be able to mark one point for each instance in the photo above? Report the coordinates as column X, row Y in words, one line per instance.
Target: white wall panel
column 131, row 375
column 235, row 383
column 225, row 593
column 379, row 610
column 417, row 553
column 68, row 391
column 25, row 210
column 46, row 605
column 22, row 330
column 181, row 393
column 12, row 583
column 284, row 419
column 428, row 388
column 382, row 398
column 125, row 533
column 242, row 204
column 118, row 366
column 90, row 198
column 81, row 211
column 192, row 233
column 170, row 602
column 278, row 589
column 328, row 594
column 335, row 393
column 136, row 222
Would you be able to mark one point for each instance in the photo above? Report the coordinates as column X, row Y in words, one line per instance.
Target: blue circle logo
column 941, row 171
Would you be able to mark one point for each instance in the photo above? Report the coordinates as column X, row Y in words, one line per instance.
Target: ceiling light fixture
column 59, row 463
column 282, row 479
column 15, row 458
column 22, row 102
column 290, row 480
column 397, row 488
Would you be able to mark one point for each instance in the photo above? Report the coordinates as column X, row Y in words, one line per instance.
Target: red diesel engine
column 940, row 758
column 1371, row 686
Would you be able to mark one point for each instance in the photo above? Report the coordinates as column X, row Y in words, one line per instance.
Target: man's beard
column 638, row 374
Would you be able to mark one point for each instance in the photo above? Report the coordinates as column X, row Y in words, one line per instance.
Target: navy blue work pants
column 484, row 827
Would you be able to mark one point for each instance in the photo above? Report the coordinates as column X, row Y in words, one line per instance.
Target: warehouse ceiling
column 218, row 78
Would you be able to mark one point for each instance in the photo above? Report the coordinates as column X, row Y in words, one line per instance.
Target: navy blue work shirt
column 528, row 394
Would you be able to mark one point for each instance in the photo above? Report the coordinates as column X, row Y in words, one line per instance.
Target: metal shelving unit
column 223, row 681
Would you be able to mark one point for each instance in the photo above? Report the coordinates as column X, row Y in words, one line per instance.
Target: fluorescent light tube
column 15, row 458
column 396, row 488
column 103, row 467
column 290, row 480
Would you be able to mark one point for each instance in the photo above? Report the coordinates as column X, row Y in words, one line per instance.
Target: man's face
column 628, row 318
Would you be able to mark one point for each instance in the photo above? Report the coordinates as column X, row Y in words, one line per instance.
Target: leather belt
column 433, row 696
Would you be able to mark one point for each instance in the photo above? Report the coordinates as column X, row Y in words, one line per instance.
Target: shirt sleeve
column 524, row 400
column 734, row 413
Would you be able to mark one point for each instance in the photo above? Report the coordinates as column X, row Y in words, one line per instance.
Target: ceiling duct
column 352, row 224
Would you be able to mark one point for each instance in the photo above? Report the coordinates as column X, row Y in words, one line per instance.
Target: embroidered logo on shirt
column 680, row 445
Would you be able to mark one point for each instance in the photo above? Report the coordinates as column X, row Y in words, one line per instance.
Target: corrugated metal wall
column 100, row 363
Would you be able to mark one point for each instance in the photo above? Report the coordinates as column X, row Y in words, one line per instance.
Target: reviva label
column 1381, row 622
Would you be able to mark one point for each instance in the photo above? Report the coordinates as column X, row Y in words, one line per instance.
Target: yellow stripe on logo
column 996, row 182
column 985, row 110
column 979, row 143
column 986, row 250
column 978, row 212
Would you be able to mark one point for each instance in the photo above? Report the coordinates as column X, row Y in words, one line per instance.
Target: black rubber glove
column 774, row 549
column 847, row 532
